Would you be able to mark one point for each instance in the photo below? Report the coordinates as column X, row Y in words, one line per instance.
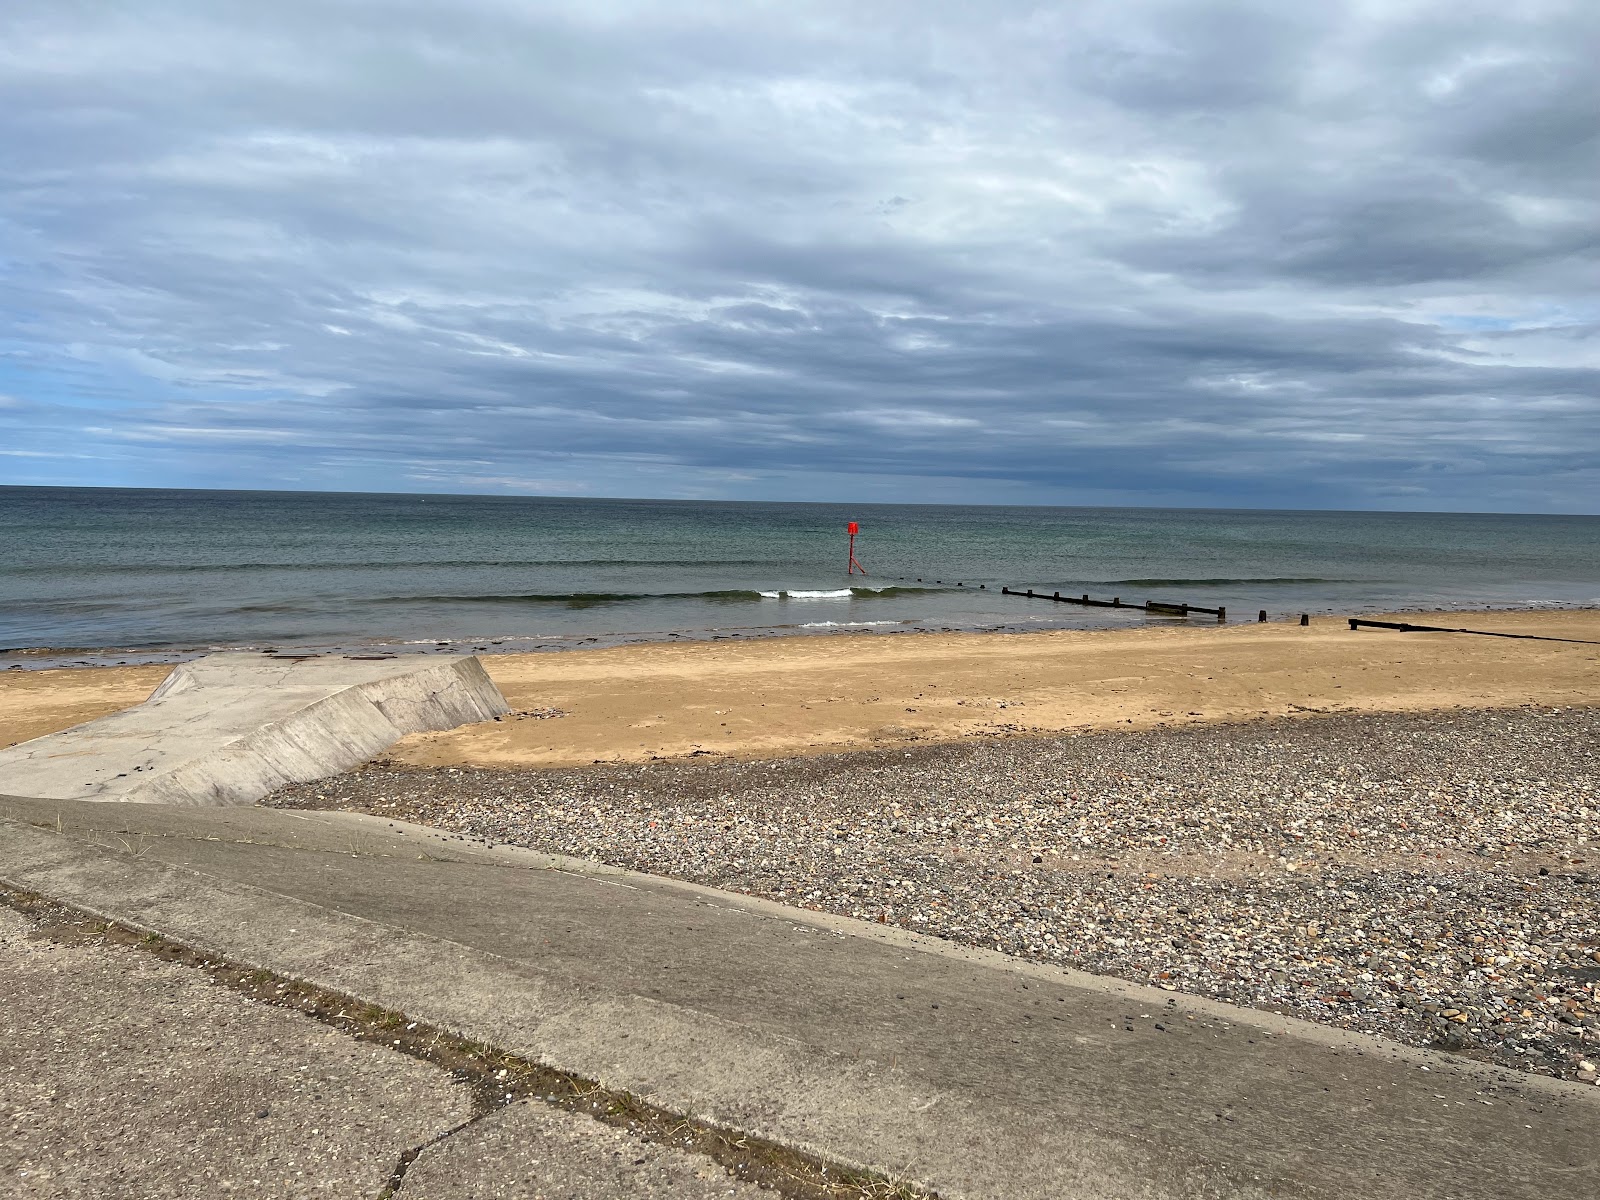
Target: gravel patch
column 1434, row 878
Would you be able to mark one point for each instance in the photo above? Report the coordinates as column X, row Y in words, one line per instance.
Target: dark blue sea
column 100, row 574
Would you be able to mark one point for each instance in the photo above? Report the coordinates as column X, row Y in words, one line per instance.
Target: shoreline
column 1094, row 620
column 777, row 697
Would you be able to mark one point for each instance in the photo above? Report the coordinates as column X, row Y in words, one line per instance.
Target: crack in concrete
column 397, row 1177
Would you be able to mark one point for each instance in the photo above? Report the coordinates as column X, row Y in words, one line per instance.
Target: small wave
column 833, row 594
column 858, row 593
column 722, row 596
column 153, row 646
column 574, row 598
column 1208, row 582
column 62, row 651
column 845, row 624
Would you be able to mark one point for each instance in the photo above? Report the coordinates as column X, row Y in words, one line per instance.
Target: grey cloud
column 1218, row 253
column 1203, row 59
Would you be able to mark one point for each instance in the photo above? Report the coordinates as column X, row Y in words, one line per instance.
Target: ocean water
column 91, row 574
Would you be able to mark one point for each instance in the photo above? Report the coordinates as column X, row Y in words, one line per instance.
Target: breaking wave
column 846, row 624
column 726, row 596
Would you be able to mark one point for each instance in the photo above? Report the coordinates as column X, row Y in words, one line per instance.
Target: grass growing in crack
column 495, row 1077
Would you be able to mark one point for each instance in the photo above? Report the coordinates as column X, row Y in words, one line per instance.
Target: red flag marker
column 852, row 529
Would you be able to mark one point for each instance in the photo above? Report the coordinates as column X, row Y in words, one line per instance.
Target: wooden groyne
column 1152, row 606
column 1407, row 627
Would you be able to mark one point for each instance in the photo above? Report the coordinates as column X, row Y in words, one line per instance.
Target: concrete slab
column 532, row 1150
column 972, row 1073
column 122, row 1076
column 230, row 728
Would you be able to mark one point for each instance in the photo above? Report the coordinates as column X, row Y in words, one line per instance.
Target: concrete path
column 122, row 1076
column 531, row 1150
column 974, row 1074
column 230, row 728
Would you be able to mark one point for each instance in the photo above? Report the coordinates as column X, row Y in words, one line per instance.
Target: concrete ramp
column 230, row 728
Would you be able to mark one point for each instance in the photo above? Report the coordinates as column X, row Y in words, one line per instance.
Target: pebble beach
column 1430, row 877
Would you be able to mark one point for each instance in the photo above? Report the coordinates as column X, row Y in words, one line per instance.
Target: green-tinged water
column 166, row 573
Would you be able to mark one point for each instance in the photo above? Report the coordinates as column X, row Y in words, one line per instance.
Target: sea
column 109, row 575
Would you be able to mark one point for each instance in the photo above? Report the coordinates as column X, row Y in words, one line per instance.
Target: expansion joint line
column 496, row 1077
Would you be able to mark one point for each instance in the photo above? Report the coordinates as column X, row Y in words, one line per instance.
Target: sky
column 1213, row 253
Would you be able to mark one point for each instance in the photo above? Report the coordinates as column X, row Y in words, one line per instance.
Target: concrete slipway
column 230, row 728
column 966, row 1071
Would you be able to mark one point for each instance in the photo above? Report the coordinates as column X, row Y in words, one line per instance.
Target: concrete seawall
column 230, row 728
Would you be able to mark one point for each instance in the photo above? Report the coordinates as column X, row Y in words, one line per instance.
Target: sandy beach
column 785, row 696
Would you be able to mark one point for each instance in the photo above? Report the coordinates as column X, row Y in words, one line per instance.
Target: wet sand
column 791, row 696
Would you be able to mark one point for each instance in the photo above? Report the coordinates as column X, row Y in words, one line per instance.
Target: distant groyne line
column 1151, row 606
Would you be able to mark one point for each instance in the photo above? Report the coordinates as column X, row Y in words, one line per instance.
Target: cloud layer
column 1217, row 253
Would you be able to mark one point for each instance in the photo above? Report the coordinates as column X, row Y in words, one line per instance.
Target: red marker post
column 853, row 528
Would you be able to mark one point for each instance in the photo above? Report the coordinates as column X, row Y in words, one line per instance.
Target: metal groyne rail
column 1152, row 606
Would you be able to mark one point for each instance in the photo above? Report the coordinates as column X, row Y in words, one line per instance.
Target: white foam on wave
column 844, row 624
column 837, row 594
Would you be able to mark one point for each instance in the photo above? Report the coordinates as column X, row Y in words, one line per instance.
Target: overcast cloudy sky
column 1218, row 252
